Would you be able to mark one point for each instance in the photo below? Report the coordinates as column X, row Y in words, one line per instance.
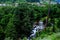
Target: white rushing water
column 36, row 29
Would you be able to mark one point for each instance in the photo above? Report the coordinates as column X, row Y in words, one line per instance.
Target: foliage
column 11, row 1
column 54, row 36
column 18, row 21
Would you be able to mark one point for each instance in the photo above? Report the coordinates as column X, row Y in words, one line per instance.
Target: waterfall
column 36, row 28
column 41, row 25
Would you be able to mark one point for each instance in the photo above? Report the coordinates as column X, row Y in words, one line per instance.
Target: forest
column 17, row 22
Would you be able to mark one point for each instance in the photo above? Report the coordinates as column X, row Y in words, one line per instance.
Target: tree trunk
column 48, row 13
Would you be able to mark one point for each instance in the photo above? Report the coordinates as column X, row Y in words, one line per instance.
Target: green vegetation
column 17, row 22
column 54, row 36
column 11, row 1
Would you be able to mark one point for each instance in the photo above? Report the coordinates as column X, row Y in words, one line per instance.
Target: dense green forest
column 17, row 22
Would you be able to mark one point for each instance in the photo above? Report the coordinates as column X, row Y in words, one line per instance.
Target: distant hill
column 33, row 0
column 12, row 1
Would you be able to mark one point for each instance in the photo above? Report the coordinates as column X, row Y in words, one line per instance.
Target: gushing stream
column 35, row 29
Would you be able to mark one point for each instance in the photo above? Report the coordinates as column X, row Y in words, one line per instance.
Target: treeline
column 17, row 22
column 18, row 1
column 11, row 1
